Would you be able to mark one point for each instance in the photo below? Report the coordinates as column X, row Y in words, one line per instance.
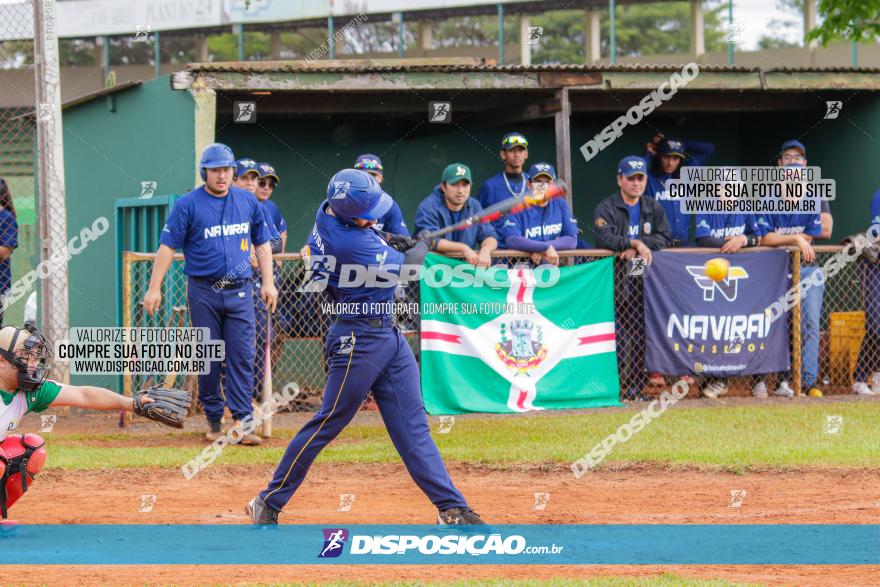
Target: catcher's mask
column 29, row 352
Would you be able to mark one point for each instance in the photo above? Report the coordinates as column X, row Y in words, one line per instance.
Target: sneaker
column 635, row 395
column 214, row 431
column 861, row 388
column 459, row 517
column 249, row 439
column 260, row 513
column 760, row 390
column 783, row 390
column 713, row 390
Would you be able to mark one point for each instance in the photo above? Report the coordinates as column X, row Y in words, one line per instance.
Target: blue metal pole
column 330, row 33
column 500, row 34
column 106, row 41
column 613, row 31
column 401, row 48
column 239, row 30
column 730, row 46
column 157, row 54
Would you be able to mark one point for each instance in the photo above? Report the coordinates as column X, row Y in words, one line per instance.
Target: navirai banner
column 720, row 328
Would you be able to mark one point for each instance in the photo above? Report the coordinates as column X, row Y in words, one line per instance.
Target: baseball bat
column 503, row 208
column 267, row 379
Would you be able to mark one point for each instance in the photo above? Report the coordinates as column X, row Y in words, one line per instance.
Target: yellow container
column 847, row 329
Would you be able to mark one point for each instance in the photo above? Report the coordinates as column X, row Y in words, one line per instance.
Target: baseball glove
column 169, row 406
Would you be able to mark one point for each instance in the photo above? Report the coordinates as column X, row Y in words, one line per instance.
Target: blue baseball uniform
column 495, row 189
column 8, row 238
column 534, row 229
column 811, row 304
column 216, row 235
column 364, row 352
column 433, row 214
column 869, row 355
column 712, row 230
column 679, row 223
column 273, row 215
column 393, row 221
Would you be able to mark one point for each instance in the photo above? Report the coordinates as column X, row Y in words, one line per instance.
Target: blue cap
column 542, row 169
column 671, row 147
column 245, row 166
column 368, row 163
column 266, row 170
column 513, row 139
column 793, row 144
column 632, row 165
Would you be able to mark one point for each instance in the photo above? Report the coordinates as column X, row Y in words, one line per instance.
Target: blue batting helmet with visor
column 353, row 193
column 215, row 155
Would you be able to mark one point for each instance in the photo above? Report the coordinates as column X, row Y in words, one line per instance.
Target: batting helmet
column 215, row 155
column 356, row 194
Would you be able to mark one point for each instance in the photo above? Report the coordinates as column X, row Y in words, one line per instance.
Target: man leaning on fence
column 865, row 376
column 634, row 225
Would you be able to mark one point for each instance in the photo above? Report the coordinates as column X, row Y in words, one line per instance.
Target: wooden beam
column 558, row 79
column 563, row 142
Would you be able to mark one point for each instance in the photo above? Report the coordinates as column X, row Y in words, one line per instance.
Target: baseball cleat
column 260, row 513
column 760, row 390
column 714, row 390
column 459, row 517
column 861, row 388
column 783, row 390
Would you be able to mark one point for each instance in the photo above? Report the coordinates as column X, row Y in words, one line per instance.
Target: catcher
column 24, row 365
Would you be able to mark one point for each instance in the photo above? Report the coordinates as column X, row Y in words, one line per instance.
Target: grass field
column 734, row 438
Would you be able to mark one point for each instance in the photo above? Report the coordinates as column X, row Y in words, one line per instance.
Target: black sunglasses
column 267, row 183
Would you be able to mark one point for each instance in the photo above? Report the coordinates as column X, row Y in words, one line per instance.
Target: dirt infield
column 629, row 496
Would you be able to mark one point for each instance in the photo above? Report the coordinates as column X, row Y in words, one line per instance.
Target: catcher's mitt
column 169, row 406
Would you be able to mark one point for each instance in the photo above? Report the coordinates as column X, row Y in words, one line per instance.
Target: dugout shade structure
column 312, row 119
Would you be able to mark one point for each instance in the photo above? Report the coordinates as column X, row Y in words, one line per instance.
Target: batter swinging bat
column 267, row 379
column 503, row 208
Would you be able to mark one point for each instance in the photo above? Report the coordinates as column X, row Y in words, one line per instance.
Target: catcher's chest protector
column 21, row 458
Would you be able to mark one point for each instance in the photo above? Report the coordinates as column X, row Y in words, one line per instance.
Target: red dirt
column 631, row 496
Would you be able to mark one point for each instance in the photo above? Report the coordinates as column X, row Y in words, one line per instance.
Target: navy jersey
column 495, row 189
column 333, row 245
column 875, row 208
column 274, row 214
column 809, row 224
column 634, row 219
column 725, row 225
column 392, row 221
column 541, row 224
column 8, row 238
column 216, row 233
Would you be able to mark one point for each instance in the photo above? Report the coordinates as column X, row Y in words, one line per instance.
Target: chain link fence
column 301, row 322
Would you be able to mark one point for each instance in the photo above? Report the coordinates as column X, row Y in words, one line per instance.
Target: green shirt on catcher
column 13, row 406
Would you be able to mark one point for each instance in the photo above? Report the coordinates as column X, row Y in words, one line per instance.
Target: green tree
column 849, row 20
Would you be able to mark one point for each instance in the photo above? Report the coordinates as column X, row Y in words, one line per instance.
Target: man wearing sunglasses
column 512, row 181
column 392, row 221
column 634, row 225
column 266, row 183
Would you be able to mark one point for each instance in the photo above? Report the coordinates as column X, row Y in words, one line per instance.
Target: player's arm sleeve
column 173, row 234
column 520, row 243
column 426, row 219
column 397, row 225
column 753, row 226
column 698, row 152
column 485, row 231
column 648, row 156
column 44, row 396
column 662, row 238
column 563, row 243
column 260, row 232
column 814, row 226
column 713, row 242
column 604, row 229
